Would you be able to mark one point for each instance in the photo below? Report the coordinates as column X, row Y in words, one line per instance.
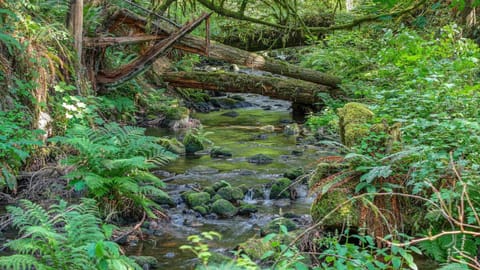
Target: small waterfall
column 249, row 196
column 266, row 194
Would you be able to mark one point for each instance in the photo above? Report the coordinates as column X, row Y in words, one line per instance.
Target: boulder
column 197, row 199
column 224, row 208
column 163, row 198
column 220, row 184
column 347, row 215
column 201, row 209
column 246, row 209
column 231, row 193
column 192, row 143
column 280, row 188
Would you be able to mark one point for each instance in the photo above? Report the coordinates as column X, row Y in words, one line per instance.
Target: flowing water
column 243, row 136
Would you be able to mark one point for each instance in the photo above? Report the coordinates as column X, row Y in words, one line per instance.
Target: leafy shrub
column 112, row 164
column 16, row 144
column 62, row 237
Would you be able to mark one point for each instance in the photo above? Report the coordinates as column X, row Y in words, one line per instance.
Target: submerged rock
column 260, row 159
column 219, row 152
column 224, row 208
column 232, row 114
column 200, row 169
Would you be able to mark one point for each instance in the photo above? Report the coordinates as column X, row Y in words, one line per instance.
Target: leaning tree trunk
column 281, row 88
column 219, row 51
column 76, row 28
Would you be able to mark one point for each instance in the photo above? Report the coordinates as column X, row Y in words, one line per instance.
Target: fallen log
column 219, row 51
column 297, row 91
column 142, row 62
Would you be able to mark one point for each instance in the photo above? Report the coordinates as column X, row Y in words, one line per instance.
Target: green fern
column 61, row 237
column 112, row 164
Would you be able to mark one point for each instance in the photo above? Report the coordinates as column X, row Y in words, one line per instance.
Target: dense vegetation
column 407, row 121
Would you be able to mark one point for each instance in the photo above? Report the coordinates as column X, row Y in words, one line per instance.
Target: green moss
column 352, row 119
column 348, row 214
column 230, row 193
column 255, row 248
column 220, row 184
column 274, row 226
column 246, row 209
column 192, row 143
column 293, row 174
column 146, row 262
column 224, row 208
column 209, row 190
column 200, row 209
column 280, row 189
column 197, row 199
column 245, row 118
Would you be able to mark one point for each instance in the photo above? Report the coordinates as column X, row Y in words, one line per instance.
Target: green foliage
column 112, row 164
column 16, row 144
column 62, row 237
column 199, row 247
column 365, row 255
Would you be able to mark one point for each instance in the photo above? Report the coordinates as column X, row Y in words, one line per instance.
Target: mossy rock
column 244, row 188
column 293, row 174
column 173, row 145
column 324, row 170
column 215, row 198
column 280, row 188
column 219, row 152
column 274, row 226
column 163, row 198
column 192, row 143
column 231, row 193
column 197, row 199
column 201, row 209
column 246, row 209
column 224, row 208
column 220, row 184
column 209, row 190
column 348, row 214
column 353, row 118
column 255, row 248
column 146, row 262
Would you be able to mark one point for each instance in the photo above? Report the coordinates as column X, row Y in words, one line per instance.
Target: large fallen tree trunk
column 219, row 51
column 141, row 63
column 287, row 89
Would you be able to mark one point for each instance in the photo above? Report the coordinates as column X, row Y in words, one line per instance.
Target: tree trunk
column 287, row 89
column 229, row 54
column 76, row 27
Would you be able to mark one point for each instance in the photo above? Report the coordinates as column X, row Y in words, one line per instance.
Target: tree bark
column 144, row 61
column 287, row 89
column 76, row 28
column 229, row 54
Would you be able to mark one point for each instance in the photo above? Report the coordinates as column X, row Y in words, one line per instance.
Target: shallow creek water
column 243, row 137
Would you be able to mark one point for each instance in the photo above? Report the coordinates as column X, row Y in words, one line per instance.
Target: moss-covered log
column 219, row 51
column 280, row 88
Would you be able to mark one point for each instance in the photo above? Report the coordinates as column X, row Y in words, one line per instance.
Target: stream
column 239, row 135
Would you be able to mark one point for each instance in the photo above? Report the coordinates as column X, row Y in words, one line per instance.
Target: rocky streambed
column 241, row 187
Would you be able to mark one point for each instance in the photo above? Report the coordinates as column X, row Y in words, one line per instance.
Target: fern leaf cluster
column 113, row 162
column 61, row 237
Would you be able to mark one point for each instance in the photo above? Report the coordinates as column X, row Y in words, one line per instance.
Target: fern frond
column 152, row 191
column 18, row 261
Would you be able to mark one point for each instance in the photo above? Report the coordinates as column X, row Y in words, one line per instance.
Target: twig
column 136, row 227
